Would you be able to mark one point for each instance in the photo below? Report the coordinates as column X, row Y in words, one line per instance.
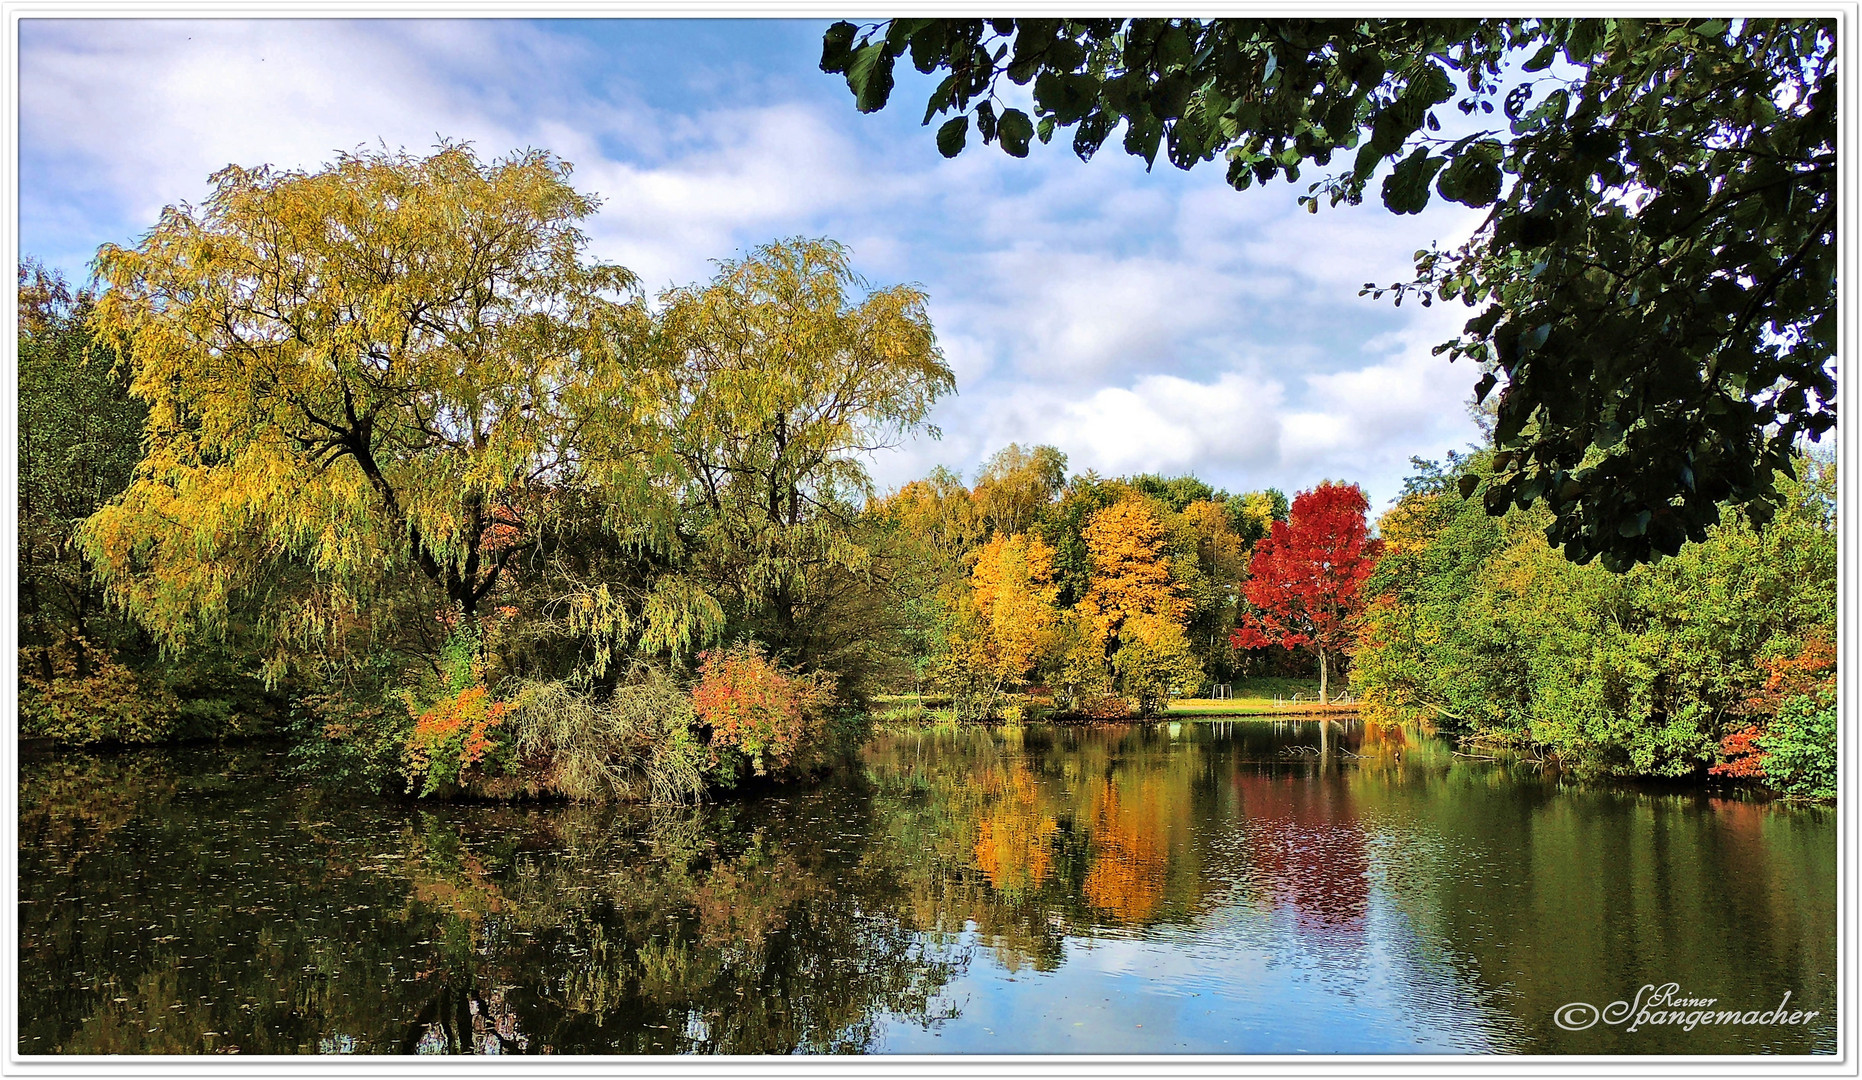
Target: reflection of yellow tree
column 1130, row 856
column 1015, row 837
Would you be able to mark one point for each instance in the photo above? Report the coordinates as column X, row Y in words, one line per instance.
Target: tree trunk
column 1322, row 675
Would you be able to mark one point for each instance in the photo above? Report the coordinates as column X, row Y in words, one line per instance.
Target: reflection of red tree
column 1306, row 848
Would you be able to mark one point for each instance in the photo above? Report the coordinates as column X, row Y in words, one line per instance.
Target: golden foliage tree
column 383, row 370
column 1135, row 603
column 1131, row 567
column 1004, row 622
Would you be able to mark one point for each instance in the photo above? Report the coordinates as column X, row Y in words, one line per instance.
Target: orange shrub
column 1741, row 755
column 753, row 706
column 452, row 737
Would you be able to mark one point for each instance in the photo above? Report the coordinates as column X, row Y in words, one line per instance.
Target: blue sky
column 1139, row 321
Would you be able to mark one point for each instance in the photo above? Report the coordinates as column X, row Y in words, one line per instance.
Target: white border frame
column 1843, row 1063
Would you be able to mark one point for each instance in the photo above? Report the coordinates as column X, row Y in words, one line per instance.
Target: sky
column 1139, row 321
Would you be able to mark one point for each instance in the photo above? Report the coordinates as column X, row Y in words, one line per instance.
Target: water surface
column 1205, row 888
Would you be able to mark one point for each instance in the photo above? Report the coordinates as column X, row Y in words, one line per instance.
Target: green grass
column 1253, row 697
column 1268, row 696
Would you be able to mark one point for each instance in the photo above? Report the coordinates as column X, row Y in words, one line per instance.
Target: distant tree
column 1221, row 559
column 1154, row 662
column 929, row 527
column 1004, row 621
column 1016, row 485
column 1063, row 526
column 1131, row 567
column 1656, row 279
column 1253, row 515
column 1176, row 492
column 1136, row 607
column 940, row 510
column 1306, row 580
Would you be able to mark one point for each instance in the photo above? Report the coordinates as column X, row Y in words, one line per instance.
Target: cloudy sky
column 1138, row 321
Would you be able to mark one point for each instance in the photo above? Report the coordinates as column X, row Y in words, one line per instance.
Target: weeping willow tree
column 789, row 368
column 374, row 391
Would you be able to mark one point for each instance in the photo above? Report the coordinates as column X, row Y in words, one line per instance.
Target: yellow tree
column 1004, row 622
column 1131, row 568
column 389, row 369
column 1135, row 607
column 1016, row 484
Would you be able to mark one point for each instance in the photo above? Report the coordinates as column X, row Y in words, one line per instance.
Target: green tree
column 787, row 369
column 1656, row 278
column 80, row 435
column 1478, row 625
column 929, row 526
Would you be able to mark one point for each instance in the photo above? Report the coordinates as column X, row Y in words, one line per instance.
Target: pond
column 1245, row 887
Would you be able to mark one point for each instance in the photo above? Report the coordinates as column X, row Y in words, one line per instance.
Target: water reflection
column 1245, row 887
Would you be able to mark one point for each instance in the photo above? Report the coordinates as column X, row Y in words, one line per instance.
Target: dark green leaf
column 951, row 134
column 870, row 75
column 1015, row 129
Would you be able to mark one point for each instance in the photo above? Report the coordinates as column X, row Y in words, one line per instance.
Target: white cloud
column 769, row 169
column 143, row 110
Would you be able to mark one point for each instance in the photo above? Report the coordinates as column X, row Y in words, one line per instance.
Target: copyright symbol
column 1576, row 1016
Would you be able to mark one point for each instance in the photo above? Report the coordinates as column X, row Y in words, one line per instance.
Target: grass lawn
column 1253, row 697
column 1256, row 697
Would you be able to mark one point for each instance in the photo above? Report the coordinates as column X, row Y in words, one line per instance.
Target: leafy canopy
column 787, row 368
column 1306, row 579
column 396, row 364
column 1656, row 278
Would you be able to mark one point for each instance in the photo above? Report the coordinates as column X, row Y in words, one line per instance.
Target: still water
column 1200, row 888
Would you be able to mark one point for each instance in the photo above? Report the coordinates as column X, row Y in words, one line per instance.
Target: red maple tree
column 1306, row 579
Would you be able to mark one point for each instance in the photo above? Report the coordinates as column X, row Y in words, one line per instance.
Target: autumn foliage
column 1131, row 568
column 1306, row 580
column 1003, row 622
column 756, row 708
column 1812, row 671
column 457, row 734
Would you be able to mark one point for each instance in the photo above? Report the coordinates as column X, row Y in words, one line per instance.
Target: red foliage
column 1741, row 754
column 1306, row 579
column 1812, row 670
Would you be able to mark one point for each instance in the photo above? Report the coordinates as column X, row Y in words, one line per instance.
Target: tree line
column 1720, row 660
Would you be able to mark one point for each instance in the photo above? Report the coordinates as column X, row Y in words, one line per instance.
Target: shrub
column 1800, row 747
column 455, row 738
column 90, row 698
column 350, row 725
column 1154, row 663
column 774, row 719
column 636, row 743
